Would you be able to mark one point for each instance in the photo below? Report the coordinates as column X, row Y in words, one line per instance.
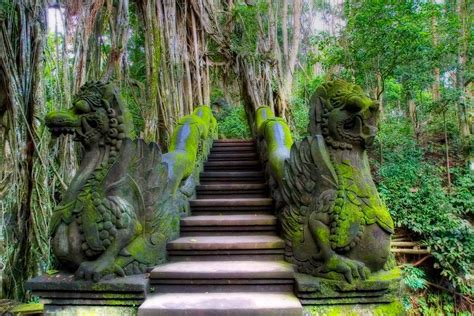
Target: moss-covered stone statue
column 335, row 224
column 119, row 211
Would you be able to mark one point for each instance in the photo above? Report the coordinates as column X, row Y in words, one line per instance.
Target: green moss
column 279, row 141
column 205, row 113
column 261, row 115
column 189, row 137
column 392, row 309
column 67, row 117
column 355, row 183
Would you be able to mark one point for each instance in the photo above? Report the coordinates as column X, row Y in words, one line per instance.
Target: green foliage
column 245, row 37
column 304, row 87
column 233, row 123
column 463, row 188
column 413, row 190
column 133, row 111
column 433, row 304
column 413, row 278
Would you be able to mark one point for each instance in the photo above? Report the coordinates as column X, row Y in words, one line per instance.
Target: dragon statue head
column 344, row 115
column 95, row 119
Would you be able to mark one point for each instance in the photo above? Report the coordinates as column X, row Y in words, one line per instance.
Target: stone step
column 211, row 248
column 232, row 165
column 233, row 176
column 240, row 156
column 233, row 143
column 234, row 149
column 223, row 276
column 229, row 188
column 217, row 304
column 232, row 204
column 235, row 140
column 207, row 225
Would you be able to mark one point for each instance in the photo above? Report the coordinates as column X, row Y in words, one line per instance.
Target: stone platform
column 61, row 294
column 380, row 288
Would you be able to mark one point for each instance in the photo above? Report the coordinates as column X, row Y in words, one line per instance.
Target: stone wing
column 140, row 177
column 308, row 173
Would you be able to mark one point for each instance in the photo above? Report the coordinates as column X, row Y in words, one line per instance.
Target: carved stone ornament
column 335, row 224
column 118, row 213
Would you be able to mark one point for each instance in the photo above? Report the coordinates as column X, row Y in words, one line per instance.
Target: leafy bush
column 413, row 278
column 412, row 188
column 233, row 123
column 463, row 186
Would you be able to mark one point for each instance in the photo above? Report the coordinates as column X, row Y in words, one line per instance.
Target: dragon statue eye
column 82, row 106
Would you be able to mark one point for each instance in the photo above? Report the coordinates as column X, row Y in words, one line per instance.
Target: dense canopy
column 169, row 57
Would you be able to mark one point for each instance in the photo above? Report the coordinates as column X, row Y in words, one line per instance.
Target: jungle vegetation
column 414, row 56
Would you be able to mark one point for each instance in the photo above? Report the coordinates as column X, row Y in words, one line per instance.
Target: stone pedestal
column 381, row 291
column 61, row 294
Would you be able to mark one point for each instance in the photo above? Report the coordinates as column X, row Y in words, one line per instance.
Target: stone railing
column 189, row 147
column 274, row 142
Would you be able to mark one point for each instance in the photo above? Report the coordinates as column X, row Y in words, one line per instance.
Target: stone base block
column 61, row 294
column 381, row 288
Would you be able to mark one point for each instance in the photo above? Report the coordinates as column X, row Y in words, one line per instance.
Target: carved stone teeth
column 89, row 253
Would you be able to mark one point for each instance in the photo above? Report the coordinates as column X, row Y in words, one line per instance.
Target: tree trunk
column 436, row 71
column 22, row 37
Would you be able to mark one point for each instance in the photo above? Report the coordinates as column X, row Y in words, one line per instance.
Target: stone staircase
column 229, row 259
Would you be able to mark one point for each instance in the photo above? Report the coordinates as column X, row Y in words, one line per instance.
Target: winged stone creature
column 117, row 214
column 335, row 224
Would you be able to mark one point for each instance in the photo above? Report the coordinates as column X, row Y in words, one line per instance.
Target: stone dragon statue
column 335, row 224
column 119, row 211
